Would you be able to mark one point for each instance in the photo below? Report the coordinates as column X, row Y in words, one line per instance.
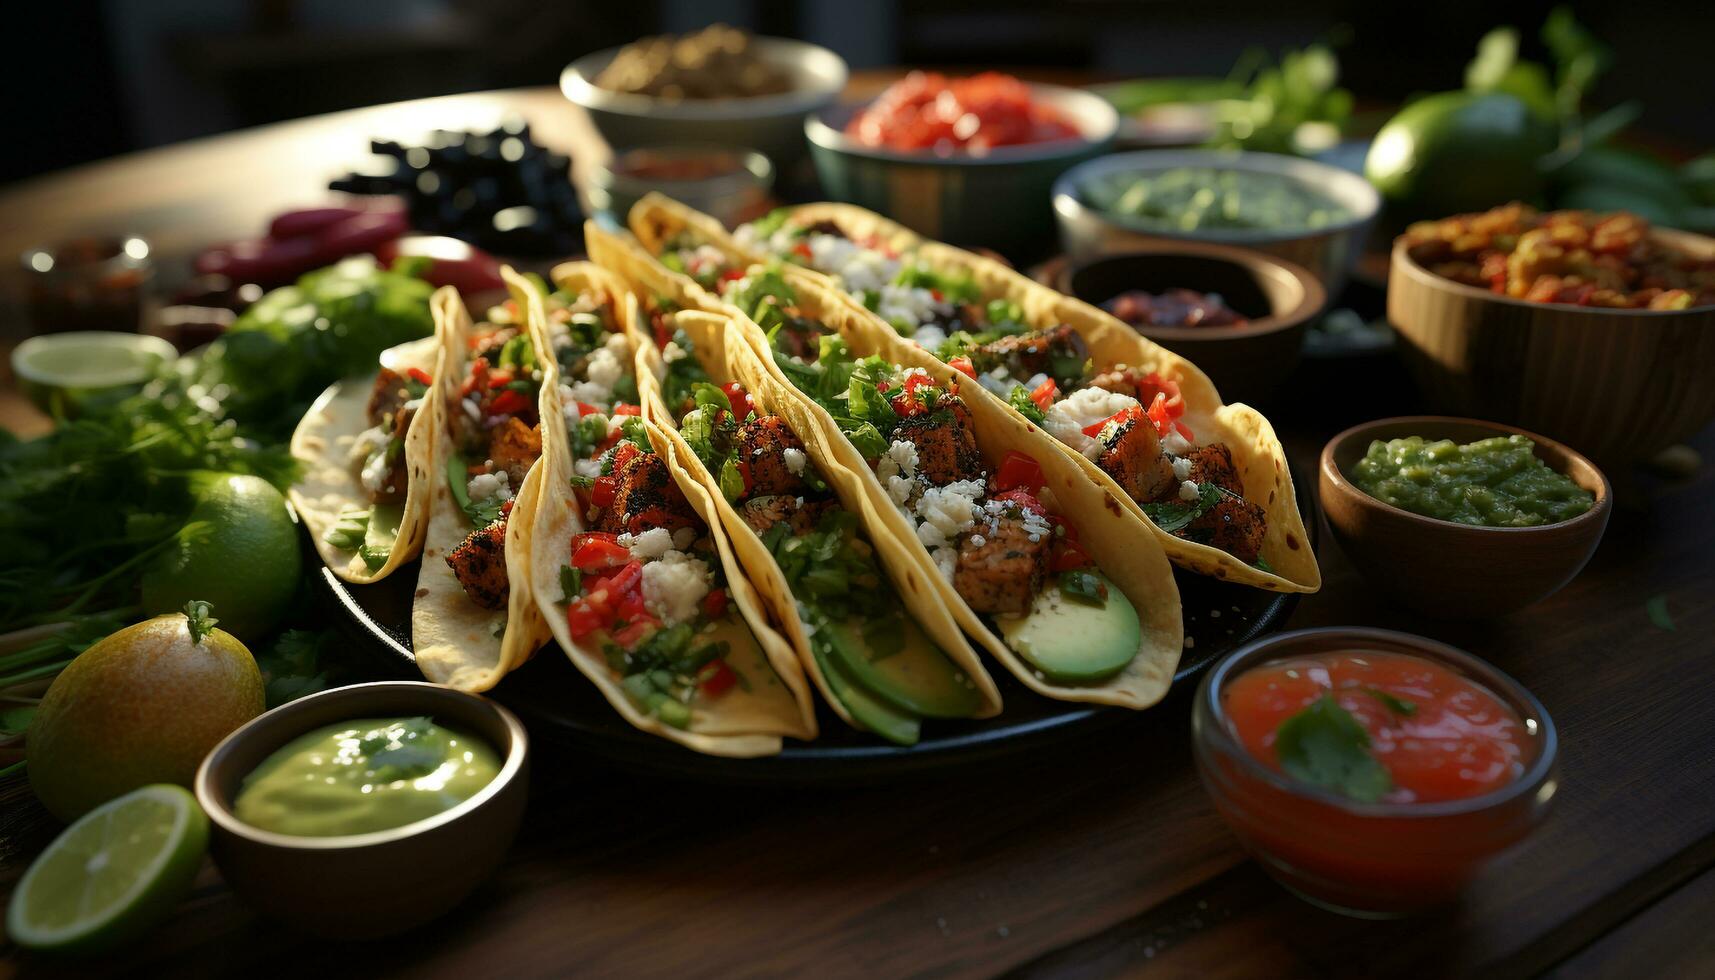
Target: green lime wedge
column 74, row 374
column 112, row 875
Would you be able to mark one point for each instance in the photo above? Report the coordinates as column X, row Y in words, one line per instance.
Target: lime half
column 73, row 372
column 112, row 875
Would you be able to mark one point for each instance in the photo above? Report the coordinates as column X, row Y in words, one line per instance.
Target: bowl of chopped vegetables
column 1598, row 330
column 1303, row 211
column 1460, row 518
column 968, row 161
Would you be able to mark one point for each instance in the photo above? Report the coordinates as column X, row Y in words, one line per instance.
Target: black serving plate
column 559, row 706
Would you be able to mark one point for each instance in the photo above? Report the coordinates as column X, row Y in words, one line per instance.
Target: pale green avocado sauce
column 1497, row 482
column 361, row 776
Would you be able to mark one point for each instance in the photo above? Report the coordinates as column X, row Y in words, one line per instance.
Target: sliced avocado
column 380, row 535
column 917, row 680
column 1072, row 642
column 871, row 712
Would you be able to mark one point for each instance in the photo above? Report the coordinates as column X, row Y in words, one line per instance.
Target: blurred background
column 125, row 75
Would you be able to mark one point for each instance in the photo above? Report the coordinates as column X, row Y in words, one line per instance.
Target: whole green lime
column 1459, row 151
column 141, row 706
column 239, row 552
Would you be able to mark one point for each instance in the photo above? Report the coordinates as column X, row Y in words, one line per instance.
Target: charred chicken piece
column 1000, row 569
column 946, row 444
column 1132, row 455
column 647, row 498
column 760, row 451
column 480, row 565
column 514, row 447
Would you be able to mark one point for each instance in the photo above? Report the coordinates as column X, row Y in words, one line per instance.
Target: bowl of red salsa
column 1373, row 773
column 965, row 160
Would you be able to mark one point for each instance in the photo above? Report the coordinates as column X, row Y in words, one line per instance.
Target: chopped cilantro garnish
column 1323, row 745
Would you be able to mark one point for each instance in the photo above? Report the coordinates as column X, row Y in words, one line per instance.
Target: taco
column 884, row 655
column 474, row 619
column 366, row 446
column 629, row 556
column 1033, row 560
column 1211, row 479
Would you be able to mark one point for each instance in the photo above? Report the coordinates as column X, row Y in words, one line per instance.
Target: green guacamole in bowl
column 1496, row 482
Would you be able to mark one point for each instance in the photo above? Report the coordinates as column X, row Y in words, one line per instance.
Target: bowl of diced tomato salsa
column 1373, row 773
column 965, row 160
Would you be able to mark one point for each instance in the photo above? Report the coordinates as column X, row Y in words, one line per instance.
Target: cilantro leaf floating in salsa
column 1325, row 746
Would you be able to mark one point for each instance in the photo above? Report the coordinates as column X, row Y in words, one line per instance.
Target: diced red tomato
column 802, row 249
column 478, row 378
column 508, row 402
column 963, row 365
column 499, row 379
column 585, row 408
column 1045, row 393
column 420, row 376
column 603, row 491
column 506, row 509
column 1019, row 471
column 1024, row 499
column 1094, row 430
column 627, row 579
column 663, row 332
column 631, row 606
column 715, row 678
column 936, row 293
column 584, row 618
column 622, row 408
column 597, row 550
column 1068, row 554
column 714, row 604
column 732, row 275
column 633, row 633
column 739, row 399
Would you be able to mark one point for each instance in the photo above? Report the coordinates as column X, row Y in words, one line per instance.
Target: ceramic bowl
column 1620, row 385
column 1328, row 253
column 773, row 124
column 1277, row 297
column 997, row 201
column 1450, row 570
column 423, row 868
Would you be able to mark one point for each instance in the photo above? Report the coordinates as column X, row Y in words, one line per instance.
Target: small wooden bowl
column 1449, row 570
column 323, row 884
column 1620, row 385
column 1278, row 298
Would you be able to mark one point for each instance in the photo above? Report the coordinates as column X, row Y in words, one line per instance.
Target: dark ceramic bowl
column 999, row 200
column 1450, row 570
column 1277, row 297
column 427, row 866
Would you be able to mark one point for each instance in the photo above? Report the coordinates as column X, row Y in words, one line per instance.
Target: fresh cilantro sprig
column 1325, row 746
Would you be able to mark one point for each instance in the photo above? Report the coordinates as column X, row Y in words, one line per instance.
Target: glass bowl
column 1375, row 860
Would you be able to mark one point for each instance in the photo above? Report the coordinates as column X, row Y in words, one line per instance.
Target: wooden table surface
column 1101, row 857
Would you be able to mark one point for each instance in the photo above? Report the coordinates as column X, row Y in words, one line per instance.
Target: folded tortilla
column 457, row 642
column 1257, row 452
column 741, row 722
column 330, row 484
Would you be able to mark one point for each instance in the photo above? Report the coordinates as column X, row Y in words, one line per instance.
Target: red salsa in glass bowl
column 1372, row 772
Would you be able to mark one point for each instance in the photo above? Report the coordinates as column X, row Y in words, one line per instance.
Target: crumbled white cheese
column 794, row 459
column 977, row 541
column 489, row 486
column 930, row 336
column 1070, row 416
column 472, row 408
column 375, row 471
column 589, row 469
column 364, row 445
column 912, row 306
column 674, row 586
column 650, row 544
column 946, row 560
column 1175, row 444
column 947, row 511
column 672, row 352
column 1182, row 469
column 1188, row 491
column 897, row 472
column 703, row 258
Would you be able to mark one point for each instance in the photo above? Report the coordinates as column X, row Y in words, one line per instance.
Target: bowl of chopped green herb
column 1301, row 210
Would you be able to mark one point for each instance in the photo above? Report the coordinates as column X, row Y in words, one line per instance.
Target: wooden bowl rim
column 282, row 724
column 1403, row 261
column 1311, row 298
column 1597, row 514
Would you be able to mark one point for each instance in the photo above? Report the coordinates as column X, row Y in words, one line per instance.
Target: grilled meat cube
column 1057, row 352
column 762, row 513
column 514, row 447
column 1234, row 525
column 1002, row 573
column 647, row 498
column 388, row 396
column 946, row 445
column 480, row 565
column 760, row 451
column 1214, row 464
column 1132, row 456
